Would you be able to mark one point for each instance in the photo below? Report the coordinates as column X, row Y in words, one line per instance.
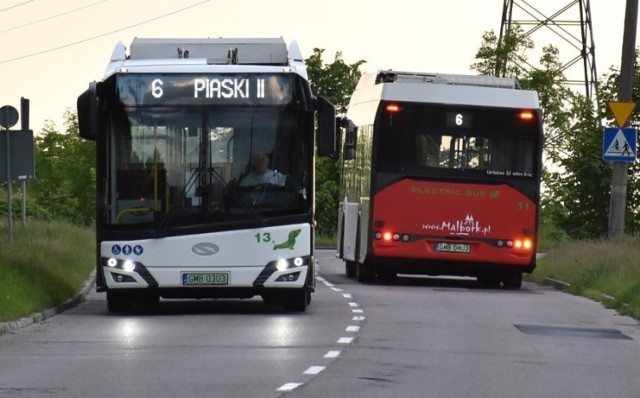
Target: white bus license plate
column 205, row 278
column 453, row 247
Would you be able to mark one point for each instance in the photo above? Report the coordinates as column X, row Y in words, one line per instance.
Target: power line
column 51, row 17
column 16, row 5
column 103, row 34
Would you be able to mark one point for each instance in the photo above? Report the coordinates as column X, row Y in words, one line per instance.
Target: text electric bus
column 440, row 176
column 205, row 160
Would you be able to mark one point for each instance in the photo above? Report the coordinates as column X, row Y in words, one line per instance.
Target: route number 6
column 156, row 88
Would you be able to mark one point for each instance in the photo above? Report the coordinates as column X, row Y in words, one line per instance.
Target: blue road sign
column 620, row 145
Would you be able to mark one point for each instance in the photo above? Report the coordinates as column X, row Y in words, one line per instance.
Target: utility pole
column 619, row 176
column 569, row 26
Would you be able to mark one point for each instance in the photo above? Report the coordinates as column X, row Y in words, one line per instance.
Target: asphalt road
column 417, row 337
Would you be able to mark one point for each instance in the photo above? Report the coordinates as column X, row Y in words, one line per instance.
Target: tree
column 505, row 58
column 336, row 81
column 65, row 173
column 580, row 183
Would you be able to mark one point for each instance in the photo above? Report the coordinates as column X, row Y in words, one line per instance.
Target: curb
column 564, row 286
column 13, row 326
column 557, row 284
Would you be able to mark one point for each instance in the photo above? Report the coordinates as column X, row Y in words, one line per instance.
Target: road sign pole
column 619, row 176
column 9, row 209
column 24, row 121
column 8, row 117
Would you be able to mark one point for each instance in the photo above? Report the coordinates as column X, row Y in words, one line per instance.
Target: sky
column 51, row 49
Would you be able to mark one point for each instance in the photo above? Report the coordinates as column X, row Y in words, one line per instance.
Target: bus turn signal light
column 518, row 244
column 525, row 115
column 393, row 108
column 522, row 244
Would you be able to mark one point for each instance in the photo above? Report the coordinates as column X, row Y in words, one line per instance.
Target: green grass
column 603, row 270
column 325, row 241
column 45, row 264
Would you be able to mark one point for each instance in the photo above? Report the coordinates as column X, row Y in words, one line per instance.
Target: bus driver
column 261, row 174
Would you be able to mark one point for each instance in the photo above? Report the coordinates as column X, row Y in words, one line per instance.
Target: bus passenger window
column 427, row 150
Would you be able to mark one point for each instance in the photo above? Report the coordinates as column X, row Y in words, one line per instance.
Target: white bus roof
column 206, row 55
column 440, row 88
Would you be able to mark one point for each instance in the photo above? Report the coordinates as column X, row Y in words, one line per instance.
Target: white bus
column 205, row 157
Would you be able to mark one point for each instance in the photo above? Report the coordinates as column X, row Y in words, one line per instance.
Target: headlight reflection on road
column 281, row 331
column 128, row 331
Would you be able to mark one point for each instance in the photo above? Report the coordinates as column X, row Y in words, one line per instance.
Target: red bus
column 440, row 175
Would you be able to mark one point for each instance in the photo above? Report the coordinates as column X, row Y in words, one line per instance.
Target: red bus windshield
column 458, row 141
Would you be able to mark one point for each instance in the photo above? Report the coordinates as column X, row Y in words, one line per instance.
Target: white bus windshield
column 171, row 166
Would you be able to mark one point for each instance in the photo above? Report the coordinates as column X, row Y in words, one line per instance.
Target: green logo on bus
column 290, row 242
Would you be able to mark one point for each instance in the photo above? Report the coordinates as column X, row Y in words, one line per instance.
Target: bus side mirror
column 326, row 127
column 87, row 105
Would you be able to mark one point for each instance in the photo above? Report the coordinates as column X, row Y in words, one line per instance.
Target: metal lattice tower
column 570, row 24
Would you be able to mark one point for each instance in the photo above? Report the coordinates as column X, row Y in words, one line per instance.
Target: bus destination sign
column 203, row 89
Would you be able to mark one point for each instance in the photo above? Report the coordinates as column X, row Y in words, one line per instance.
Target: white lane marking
column 314, row 370
column 332, row 354
column 289, row 386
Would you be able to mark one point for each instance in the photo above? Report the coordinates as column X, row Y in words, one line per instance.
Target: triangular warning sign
column 620, row 146
column 622, row 111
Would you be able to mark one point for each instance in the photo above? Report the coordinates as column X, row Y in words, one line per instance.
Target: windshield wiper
column 238, row 198
column 196, row 176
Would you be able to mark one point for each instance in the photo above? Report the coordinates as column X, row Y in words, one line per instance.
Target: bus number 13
column 263, row 237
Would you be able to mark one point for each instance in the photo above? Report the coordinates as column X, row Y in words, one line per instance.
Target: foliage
column 336, row 81
column 507, row 58
column 551, row 234
column 64, row 187
column 582, row 185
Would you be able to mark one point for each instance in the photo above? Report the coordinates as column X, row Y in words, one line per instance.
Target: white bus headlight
column 129, row 266
column 282, row 264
